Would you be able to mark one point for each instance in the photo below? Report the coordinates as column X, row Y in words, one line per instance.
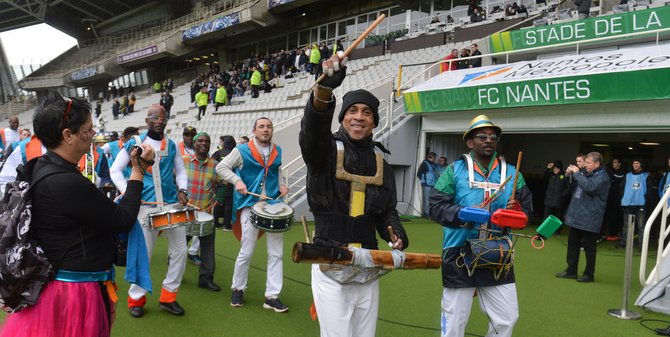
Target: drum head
column 272, row 209
column 203, row 216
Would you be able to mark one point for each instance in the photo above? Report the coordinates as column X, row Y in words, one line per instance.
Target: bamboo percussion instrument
column 309, row 253
column 354, row 44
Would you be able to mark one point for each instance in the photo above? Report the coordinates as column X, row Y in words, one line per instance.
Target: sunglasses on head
column 67, row 110
column 483, row 137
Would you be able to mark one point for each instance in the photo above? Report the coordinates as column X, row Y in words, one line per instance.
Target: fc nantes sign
column 623, row 75
column 610, row 25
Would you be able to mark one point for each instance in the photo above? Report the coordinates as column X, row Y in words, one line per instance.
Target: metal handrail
column 528, row 50
column 663, row 250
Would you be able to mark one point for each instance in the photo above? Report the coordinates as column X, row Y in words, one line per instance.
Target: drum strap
column 155, row 168
column 488, row 187
column 358, row 182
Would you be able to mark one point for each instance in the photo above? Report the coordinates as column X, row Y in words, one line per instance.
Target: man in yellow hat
column 467, row 183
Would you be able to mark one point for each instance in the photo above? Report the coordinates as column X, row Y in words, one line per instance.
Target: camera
column 139, row 150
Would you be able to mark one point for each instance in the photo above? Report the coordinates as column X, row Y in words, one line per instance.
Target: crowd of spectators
column 471, row 51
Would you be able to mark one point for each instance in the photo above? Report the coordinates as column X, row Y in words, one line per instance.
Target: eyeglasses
column 157, row 118
column 483, row 137
column 67, row 110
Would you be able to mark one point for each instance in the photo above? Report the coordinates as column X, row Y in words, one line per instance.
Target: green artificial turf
column 410, row 299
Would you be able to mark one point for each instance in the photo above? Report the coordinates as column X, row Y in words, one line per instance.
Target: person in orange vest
column 186, row 145
column 26, row 150
column 9, row 134
column 95, row 161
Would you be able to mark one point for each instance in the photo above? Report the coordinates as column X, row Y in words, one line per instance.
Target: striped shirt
column 202, row 180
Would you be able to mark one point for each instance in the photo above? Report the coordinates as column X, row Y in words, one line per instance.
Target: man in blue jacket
column 585, row 215
column 637, row 188
column 427, row 173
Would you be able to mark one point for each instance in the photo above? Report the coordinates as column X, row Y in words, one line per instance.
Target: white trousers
column 345, row 310
column 176, row 253
column 499, row 303
column 275, row 243
column 194, row 249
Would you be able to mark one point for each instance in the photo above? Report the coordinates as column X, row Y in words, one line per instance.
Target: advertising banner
column 622, row 75
column 210, row 26
column 581, row 30
column 137, row 54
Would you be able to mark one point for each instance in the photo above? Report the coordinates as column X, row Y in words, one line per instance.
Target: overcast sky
column 35, row 44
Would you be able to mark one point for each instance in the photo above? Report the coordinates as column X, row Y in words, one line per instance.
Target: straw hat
column 481, row 121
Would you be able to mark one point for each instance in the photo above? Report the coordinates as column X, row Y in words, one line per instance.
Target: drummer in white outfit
column 255, row 167
column 168, row 169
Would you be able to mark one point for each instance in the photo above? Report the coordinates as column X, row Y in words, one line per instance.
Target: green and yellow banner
column 614, row 76
column 581, row 30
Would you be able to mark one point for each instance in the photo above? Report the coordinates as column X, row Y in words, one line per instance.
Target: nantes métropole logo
column 484, row 74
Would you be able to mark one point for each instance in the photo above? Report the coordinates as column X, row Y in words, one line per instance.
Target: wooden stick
column 354, row 44
column 152, row 203
column 260, row 195
column 516, row 175
column 304, row 228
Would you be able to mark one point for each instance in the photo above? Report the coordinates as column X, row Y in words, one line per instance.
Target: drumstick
column 304, row 228
column 354, row 44
column 192, row 205
column 495, row 194
column 516, row 175
column 260, row 196
column 153, row 203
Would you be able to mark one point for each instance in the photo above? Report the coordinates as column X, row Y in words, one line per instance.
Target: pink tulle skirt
column 65, row 309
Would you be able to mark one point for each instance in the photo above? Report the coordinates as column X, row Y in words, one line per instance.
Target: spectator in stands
column 122, row 91
column 464, row 64
column 131, row 102
column 510, row 10
column 337, row 46
column 447, row 66
column 476, row 16
column 474, row 51
column 583, row 8
column 169, row 85
column 229, row 91
column 221, row 97
column 472, row 6
column 123, row 102
column 201, row 100
column 435, row 19
column 314, row 58
column 166, row 102
column 115, row 108
column 255, row 81
column 522, row 10
column 98, row 108
column 114, row 91
column 450, row 19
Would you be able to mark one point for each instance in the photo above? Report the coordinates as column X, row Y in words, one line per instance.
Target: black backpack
column 24, row 269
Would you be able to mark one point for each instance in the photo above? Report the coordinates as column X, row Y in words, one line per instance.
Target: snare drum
column 203, row 226
column 493, row 253
column 272, row 216
column 170, row 218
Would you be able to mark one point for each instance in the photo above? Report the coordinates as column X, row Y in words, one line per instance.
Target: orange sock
column 168, row 296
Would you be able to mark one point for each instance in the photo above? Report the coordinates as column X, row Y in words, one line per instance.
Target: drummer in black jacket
column 351, row 191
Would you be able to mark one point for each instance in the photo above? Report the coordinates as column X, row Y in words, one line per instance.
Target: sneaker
column 195, row 259
column 236, row 298
column 227, row 228
column 274, row 304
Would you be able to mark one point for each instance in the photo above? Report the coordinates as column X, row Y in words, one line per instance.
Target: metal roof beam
column 83, row 11
column 34, row 8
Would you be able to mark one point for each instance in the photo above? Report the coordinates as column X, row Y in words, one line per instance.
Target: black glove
column 337, row 78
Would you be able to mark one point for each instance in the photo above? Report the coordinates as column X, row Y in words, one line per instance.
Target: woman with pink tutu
column 76, row 225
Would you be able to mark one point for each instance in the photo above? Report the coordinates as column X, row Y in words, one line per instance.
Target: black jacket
column 329, row 197
column 558, row 190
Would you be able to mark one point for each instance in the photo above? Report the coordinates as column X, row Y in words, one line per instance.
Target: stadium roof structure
column 74, row 17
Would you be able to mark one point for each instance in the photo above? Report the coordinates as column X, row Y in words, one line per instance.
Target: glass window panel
column 304, row 38
column 322, row 33
column 331, row 31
